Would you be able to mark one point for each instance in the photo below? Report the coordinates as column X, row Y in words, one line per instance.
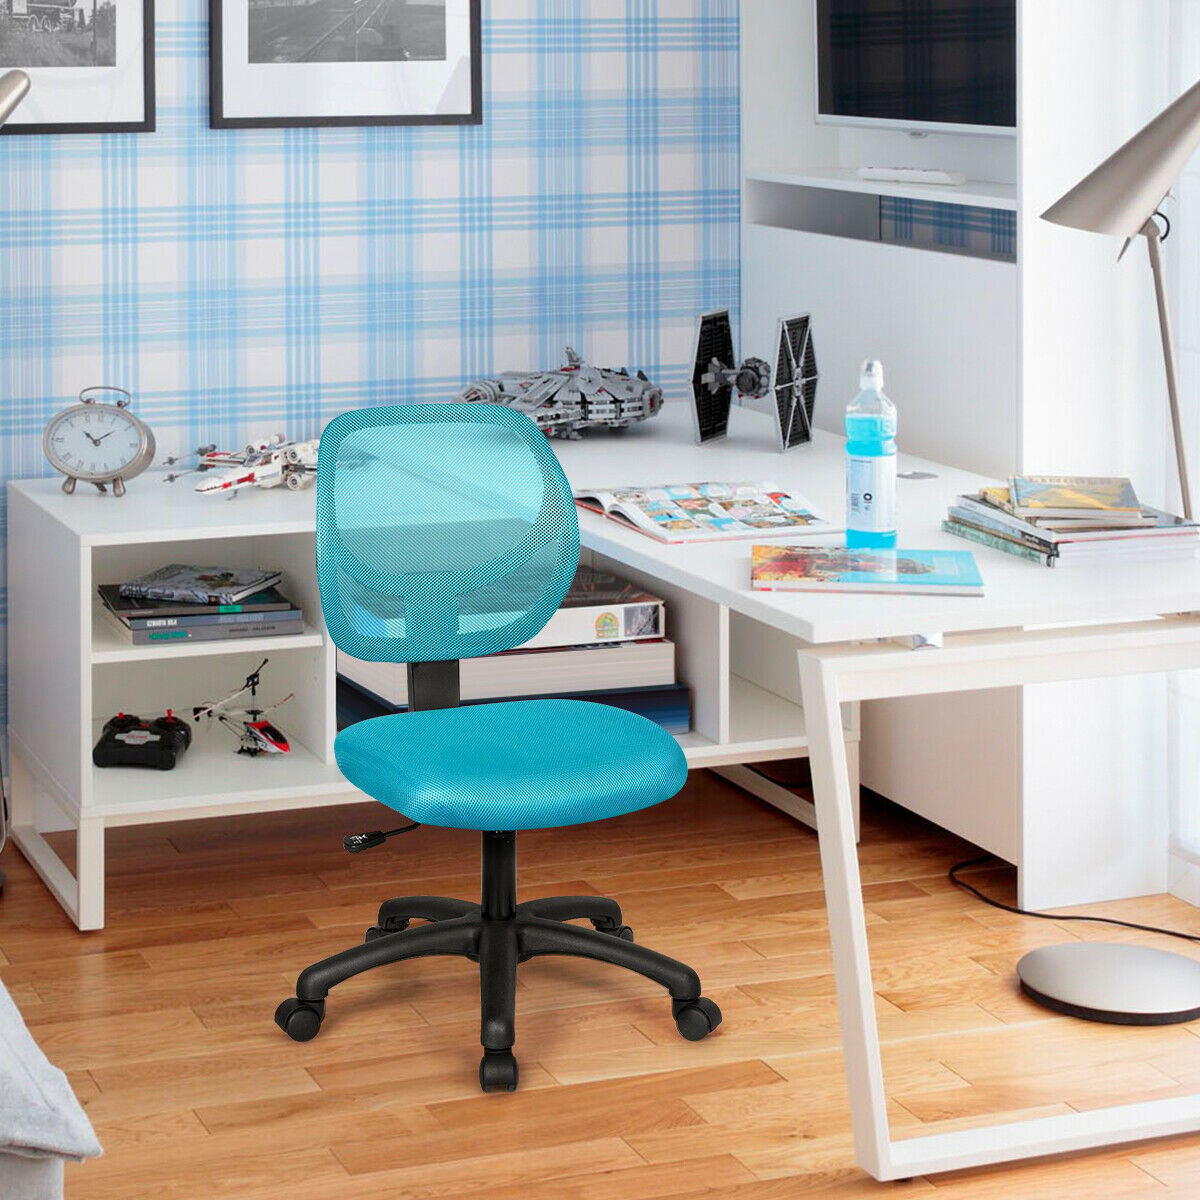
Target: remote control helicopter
column 256, row 735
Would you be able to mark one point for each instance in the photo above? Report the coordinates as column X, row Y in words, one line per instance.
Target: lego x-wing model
column 273, row 463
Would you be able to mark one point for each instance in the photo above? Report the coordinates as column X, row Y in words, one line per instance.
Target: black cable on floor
column 1024, row 912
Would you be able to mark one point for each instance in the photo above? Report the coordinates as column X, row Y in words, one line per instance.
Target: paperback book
column 1070, row 496
column 913, row 572
column 700, row 512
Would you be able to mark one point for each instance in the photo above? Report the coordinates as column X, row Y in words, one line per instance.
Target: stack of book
column 1055, row 519
column 182, row 603
column 605, row 643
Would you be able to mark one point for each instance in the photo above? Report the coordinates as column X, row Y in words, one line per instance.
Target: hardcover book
column 803, row 568
column 136, row 612
column 701, row 512
column 200, row 585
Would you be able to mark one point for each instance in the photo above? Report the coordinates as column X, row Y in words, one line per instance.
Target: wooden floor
column 163, row 1019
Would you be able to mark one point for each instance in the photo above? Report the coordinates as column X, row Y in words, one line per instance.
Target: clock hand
column 94, row 441
column 102, row 436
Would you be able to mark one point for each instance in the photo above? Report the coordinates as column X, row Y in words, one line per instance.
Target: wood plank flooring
column 163, row 1019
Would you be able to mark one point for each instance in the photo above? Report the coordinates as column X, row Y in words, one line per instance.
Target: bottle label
column 871, row 493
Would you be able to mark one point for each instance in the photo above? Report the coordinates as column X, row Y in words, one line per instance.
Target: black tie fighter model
column 255, row 734
column 793, row 382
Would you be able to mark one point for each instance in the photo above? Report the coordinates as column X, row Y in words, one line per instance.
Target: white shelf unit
column 69, row 670
column 1046, row 364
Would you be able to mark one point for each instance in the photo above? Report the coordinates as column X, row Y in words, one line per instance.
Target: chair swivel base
column 498, row 934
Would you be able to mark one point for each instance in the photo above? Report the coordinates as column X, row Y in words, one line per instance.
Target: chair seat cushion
column 515, row 764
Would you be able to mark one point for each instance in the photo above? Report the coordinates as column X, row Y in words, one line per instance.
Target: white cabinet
column 69, row 670
column 1046, row 363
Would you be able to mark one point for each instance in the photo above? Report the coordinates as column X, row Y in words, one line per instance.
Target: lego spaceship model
column 575, row 397
column 276, row 462
column 715, row 378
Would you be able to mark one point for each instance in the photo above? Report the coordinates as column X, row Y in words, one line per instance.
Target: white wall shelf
column 976, row 193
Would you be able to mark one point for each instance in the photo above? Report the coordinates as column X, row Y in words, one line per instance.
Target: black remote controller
column 128, row 741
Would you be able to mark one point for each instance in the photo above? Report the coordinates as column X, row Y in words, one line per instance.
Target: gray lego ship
column 578, row 396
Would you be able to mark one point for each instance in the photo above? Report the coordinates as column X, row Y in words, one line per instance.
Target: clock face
column 98, row 442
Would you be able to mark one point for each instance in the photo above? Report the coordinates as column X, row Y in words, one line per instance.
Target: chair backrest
column 444, row 531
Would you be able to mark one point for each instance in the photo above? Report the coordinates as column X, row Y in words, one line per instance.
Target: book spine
column 998, row 542
column 966, row 516
column 593, row 624
column 215, row 633
column 200, row 620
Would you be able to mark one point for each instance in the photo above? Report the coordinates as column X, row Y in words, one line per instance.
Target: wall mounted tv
column 946, row 65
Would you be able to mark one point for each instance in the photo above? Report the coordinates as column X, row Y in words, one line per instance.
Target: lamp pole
column 1154, row 245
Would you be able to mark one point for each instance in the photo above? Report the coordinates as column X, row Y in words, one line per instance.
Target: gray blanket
column 39, row 1114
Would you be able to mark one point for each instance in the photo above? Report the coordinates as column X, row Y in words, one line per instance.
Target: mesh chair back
column 444, row 531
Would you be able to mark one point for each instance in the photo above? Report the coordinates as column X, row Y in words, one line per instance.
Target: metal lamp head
column 1124, row 191
column 13, row 86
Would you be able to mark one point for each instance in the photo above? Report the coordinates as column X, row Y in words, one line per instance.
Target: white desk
column 1111, row 623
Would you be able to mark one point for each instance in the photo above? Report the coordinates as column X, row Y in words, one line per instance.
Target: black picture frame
column 219, row 117
column 43, row 79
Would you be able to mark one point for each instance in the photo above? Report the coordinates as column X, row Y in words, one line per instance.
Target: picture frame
column 280, row 65
column 90, row 65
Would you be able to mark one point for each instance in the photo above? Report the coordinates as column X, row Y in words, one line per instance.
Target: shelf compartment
column 212, row 779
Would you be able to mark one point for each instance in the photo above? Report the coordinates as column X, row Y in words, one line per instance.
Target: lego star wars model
column 274, row 463
column 793, row 382
column 574, row 397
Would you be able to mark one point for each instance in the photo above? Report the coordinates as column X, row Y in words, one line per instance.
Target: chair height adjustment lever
column 355, row 843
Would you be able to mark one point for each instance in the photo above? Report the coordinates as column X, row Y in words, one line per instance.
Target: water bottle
column 871, row 464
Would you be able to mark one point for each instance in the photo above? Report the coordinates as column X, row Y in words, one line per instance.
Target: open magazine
column 699, row 512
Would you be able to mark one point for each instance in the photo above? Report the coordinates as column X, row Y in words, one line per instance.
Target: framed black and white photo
column 90, row 64
column 282, row 63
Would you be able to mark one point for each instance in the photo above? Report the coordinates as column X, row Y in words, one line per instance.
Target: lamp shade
column 1122, row 193
column 13, row 86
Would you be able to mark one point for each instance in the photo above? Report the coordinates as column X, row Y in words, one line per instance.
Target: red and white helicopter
column 273, row 463
column 256, row 734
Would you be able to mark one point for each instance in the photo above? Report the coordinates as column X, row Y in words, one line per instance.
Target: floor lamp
column 1126, row 984
column 13, row 87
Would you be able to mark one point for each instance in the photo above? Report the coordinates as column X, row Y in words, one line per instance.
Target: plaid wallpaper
column 245, row 282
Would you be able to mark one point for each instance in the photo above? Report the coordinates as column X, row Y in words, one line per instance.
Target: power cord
column 1024, row 912
column 355, row 843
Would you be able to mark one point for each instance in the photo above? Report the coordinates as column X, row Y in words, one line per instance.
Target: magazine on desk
column 704, row 512
column 912, row 572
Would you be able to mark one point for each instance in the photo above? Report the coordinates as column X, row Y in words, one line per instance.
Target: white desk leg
column 81, row 894
column 847, row 919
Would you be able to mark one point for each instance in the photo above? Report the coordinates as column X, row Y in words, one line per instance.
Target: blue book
column 805, row 568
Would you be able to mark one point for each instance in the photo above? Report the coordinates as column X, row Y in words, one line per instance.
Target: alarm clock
column 98, row 443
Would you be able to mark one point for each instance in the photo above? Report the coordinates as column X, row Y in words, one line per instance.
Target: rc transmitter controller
column 128, row 741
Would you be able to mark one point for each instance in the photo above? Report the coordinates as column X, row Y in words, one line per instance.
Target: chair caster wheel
column 498, row 1071
column 391, row 925
column 619, row 931
column 300, row 1020
column 696, row 1019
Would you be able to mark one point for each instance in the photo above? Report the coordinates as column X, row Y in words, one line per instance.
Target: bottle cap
column 871, row 375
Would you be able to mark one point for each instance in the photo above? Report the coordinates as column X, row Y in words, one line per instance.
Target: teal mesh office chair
column 448, row 531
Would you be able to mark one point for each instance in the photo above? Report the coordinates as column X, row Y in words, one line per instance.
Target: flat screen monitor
column 918, row 64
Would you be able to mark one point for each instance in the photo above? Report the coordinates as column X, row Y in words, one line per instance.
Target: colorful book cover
column 1067, row 494
column 802, row 568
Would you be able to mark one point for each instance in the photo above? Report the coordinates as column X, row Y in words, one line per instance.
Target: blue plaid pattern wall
column 241, row 283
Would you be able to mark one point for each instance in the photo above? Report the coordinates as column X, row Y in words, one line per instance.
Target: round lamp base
column 1115, row 983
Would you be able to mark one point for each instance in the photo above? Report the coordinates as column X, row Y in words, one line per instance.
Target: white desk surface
column 1016, row 592
column 663, row 450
